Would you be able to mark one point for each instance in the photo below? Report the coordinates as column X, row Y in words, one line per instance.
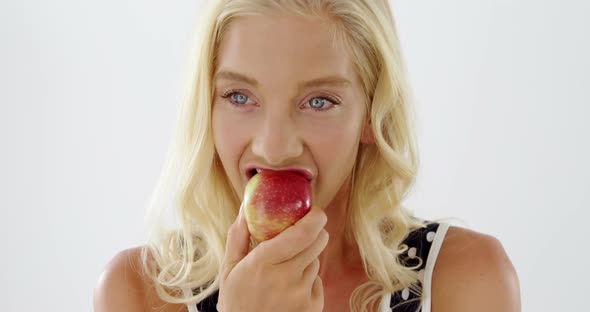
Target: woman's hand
column 280, row 274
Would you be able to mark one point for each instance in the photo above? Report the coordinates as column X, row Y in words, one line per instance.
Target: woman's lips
column 306, row 173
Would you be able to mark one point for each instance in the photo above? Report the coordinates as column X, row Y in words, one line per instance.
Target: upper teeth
column 258, row 170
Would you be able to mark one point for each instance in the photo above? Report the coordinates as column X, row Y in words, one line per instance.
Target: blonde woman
column 316, row 86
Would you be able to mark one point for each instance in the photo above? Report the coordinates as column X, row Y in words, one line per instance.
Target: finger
column 237, row 244
column 302, row 260
column 310, row 273
column 294, row 239
column 317, row 292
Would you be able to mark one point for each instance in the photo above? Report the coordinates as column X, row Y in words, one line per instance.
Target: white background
column 89, row 92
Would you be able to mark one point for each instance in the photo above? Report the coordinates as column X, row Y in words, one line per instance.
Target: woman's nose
column 277, row 141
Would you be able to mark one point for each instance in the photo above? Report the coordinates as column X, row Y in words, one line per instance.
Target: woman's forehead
column 290, row 46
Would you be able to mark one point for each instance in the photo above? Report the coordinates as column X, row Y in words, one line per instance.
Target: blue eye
column 239, row 98
column 236, row 98
column 319, row 103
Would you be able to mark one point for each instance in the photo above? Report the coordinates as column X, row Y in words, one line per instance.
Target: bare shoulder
column 123, row 286
column 474, row 273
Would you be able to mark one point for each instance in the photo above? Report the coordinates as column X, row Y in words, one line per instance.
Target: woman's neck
column 340, row 255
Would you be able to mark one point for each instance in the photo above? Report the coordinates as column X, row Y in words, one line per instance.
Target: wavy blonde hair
column 195, row 191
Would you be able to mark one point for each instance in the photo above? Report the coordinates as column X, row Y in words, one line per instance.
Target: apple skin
column 275, row 200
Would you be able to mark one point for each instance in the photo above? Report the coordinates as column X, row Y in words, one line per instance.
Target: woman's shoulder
column 473, row 273
column 124, row 286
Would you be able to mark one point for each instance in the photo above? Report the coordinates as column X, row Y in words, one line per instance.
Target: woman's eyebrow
column 229, row 75
column 332, row 80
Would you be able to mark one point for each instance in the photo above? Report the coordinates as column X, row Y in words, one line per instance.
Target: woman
column 316, row 85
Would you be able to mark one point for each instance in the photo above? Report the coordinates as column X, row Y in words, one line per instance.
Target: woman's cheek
column 334, row 145
column 226, row 136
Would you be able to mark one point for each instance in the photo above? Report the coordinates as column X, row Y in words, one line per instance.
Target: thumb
column 237, row 244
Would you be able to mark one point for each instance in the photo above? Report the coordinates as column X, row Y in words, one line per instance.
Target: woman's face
column 285, row 97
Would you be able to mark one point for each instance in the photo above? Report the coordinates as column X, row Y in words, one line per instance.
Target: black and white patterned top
column 423, row 243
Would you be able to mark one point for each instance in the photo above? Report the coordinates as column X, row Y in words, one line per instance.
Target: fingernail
column 241, row 212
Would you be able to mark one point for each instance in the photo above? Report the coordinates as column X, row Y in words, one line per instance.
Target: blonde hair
column 195, row 189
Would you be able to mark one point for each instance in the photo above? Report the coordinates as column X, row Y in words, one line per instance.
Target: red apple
column 275, row 200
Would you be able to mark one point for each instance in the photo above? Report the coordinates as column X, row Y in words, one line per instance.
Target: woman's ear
column 367, row 136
